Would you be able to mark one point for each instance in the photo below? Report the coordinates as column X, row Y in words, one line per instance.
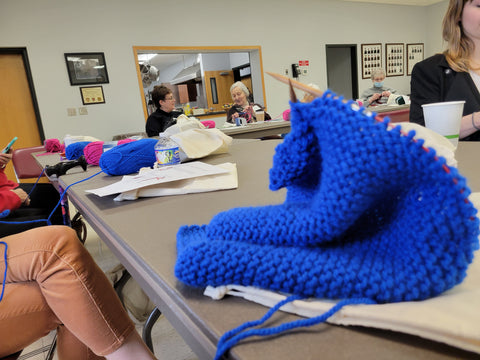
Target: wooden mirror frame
column 255, row 53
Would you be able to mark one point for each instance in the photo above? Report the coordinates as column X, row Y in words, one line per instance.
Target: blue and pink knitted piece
column 369, row 213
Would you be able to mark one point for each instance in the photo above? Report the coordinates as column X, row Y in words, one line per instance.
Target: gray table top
column 142, row 234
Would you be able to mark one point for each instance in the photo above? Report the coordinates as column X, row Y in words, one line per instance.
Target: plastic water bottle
column 167, row 151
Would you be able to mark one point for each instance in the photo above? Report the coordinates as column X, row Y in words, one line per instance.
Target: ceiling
column 401, row 2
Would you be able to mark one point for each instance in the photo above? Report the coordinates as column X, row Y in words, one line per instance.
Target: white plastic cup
column 444, row 118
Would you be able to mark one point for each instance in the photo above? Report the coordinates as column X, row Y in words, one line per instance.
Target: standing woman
column 164, row 116
column 455, row 74
column 242, row 108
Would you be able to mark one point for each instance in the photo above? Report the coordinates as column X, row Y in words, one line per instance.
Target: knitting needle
column 296, row 84
column 306, row 88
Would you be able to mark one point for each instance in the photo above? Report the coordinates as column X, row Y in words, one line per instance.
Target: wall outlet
column 71, row 112
column 83, row 110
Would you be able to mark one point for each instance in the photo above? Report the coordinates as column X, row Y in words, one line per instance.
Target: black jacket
column 160, row 120
column 434, row 81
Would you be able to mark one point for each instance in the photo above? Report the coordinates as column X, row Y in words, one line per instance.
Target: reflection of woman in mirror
column 242, row 108
column 164, row 116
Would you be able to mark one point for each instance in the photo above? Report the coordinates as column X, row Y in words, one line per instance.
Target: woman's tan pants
column 52, row 282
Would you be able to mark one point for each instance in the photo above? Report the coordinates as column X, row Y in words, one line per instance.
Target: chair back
column 24, row 164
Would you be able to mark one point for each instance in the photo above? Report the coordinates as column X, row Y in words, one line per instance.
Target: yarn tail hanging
column 234, row 336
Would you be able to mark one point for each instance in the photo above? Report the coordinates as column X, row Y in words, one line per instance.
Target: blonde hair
column 459, row 46
column 377, row 72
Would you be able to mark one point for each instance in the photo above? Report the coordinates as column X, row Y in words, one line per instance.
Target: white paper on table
column 158, row 176
column 206, row 183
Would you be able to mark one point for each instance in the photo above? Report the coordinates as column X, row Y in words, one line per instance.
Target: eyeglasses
column 169, row 98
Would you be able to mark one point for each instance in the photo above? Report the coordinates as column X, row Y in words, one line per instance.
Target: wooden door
column 217, row 87
column 17, row 109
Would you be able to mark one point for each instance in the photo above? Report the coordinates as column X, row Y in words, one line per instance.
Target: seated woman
column 378, row 94
column 17, row 209
column 455, row 74
column 52, row 283
column 164, row 116
column 242, row 107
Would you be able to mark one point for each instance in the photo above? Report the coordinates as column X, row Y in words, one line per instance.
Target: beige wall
column 287, row 32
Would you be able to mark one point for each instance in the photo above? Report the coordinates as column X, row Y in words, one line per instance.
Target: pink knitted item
column 93, row 151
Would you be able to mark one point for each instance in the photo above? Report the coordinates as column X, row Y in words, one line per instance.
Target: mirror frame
column 194, row 49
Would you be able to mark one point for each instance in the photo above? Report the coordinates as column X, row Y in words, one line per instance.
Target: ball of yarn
column 286, row 115
column 128, row 158
column 93, row 151
column 53, row 145
column 75, row 150
column 209, row 124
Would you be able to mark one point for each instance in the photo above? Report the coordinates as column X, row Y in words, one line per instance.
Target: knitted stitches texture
column 369, row 213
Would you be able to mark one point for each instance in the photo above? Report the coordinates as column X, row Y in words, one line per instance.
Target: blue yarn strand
column 36, row 182
column 224, row 345
column 229, row 334
column 65, row 192
column 47, row 220
column 5, row 271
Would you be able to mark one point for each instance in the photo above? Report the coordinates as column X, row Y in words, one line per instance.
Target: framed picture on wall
column 414, row 55
column 86, row 68
column 394, row 59
column 92, row 95
column 371, row 59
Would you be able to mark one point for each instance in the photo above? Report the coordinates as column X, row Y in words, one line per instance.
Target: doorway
column 342, row 73
column 19, row 111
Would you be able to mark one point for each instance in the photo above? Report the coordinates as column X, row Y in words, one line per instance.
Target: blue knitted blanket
column 369, row 213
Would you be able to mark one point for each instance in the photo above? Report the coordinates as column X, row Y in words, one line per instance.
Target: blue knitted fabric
column 369, row 213
column 75, row 150
column 128, row 158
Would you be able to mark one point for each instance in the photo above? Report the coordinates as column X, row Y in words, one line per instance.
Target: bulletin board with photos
column 394, row 59
column 371, row 59
column 414, row 54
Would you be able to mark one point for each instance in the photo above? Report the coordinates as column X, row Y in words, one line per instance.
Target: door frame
column 353, row 62
column 23, row 52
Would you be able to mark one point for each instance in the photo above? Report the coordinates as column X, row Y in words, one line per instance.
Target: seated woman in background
column 242, row 108
column 455, row 74
column 378, row 94
column 164, row 116
column 17, row 209
column 51, row 283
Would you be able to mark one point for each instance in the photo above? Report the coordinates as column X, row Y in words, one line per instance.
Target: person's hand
column 249, row 109
column 4, row 159
column 374, row 97
column 235, row 115
column 22, row 195
column 386, row 93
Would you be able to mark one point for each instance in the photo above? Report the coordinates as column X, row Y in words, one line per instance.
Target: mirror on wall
column 199, row 77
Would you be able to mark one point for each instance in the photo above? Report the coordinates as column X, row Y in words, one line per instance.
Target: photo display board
column 371, row 59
